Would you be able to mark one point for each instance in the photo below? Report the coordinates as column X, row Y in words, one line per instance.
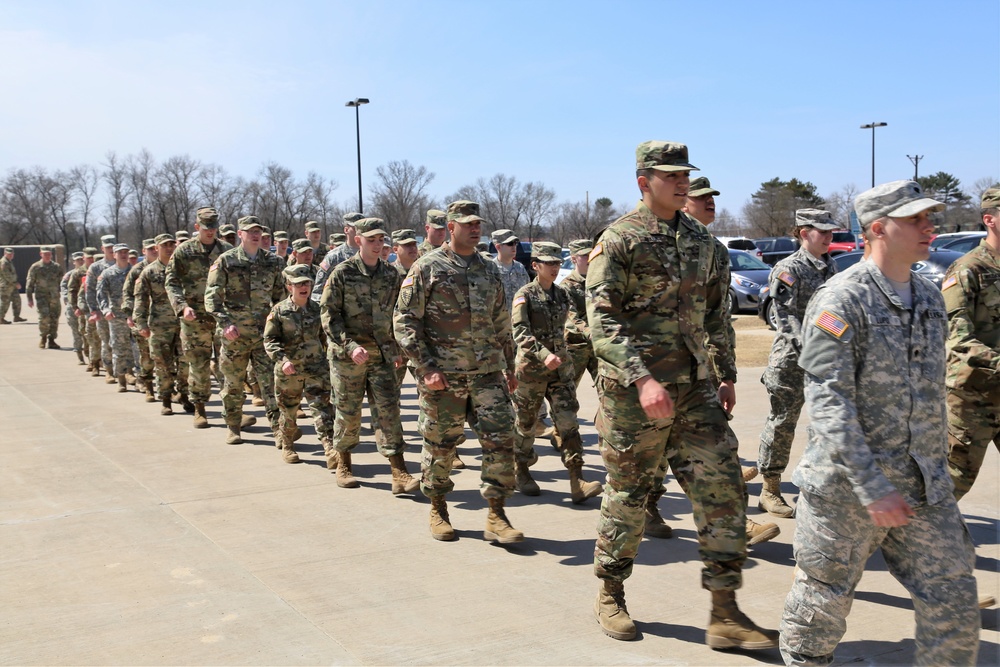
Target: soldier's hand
column 76, row 311
column 31, row 302
column 288, row 368
column 654, row 399
column 398, row 362
column 144, row 333
column 359, row 356
column 109, row 316
column 435, row 380
column 727, row 396
column 130, row 322
column 552, row 362
column 890, row 511
column 92, row 317
column 189, row 314
column 511, row 381
column 231, row 332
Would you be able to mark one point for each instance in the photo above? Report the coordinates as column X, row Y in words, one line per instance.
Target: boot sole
column 493, row 537
column 443, row 537
column 719, row 643
column 783, row 515
column 768, row 534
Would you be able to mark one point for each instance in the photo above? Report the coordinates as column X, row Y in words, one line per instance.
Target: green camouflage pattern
column 9, row 296
column 152, row 311
column 332, row 259
column 663, row 156
column 990, row 199
column 577, row 331
column 42, row 285
column 144, row 362
column 69, row 310
column 425, row 247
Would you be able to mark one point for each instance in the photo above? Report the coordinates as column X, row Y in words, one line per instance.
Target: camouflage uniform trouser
column 973, row 421
column 584, row 359
column 696, row 444
column 561, row 394
column 10, row 297
column 785, row 388
column 121, row 345
column 483, row 400
column 144, row 362
column 314, row 382
column 74, row 326
column 94, row 349
column 104, row 333
column 196, row 337
column 171, row 372
column 350, row 383
column 932, row 557
column 234, row 358
column 48, row 314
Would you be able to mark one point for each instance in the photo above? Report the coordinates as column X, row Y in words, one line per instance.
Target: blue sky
column 557, row 92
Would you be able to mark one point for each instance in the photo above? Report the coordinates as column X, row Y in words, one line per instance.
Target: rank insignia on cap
column 408, row 282
column 950, row 282
column 786, row 278
column 518, row 301
column 598, row 249
column 831, row 324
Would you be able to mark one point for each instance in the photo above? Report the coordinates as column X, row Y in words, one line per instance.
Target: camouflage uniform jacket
column 8, row 274
column 452, row 316
column 426, row 247
column 399, row 267
column 656, row 305
column 357, row 309
column 64, row 286
column 513, row 277
column 329, row 263
column 577, row 331
column 187, row 274
column 74, row 288
column 241, row 290
column 793, row 281
column 109, row 291
column 295, row 334
column 90, row 285
column 971, row 292
column 152, row 308
column 538, row 319
column 874, row 388
column 43, row 280
column 319, row 253
column 128, row 291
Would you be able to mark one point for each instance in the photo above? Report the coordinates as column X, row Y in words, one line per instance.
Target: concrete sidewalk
column 131, row 538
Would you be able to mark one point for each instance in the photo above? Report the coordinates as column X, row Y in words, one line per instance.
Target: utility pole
column 915, row 159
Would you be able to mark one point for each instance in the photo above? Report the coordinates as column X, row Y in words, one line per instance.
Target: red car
column 844, row 241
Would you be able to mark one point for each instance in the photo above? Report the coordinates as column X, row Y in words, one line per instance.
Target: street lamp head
column 356, row 102
column 870, row 126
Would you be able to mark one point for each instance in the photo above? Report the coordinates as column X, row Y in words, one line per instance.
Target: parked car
column 564, row 270
column 942, row 240
column 964, row 243
column 747, row 275
column 933, row 268
column 845, row 241
column 775, row 248
column 740, row 243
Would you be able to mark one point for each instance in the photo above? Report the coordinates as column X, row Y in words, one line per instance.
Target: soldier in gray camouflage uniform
column 109, row 300
column 792, row 281
column 874, row 473
column 512, row 272
column 657, row 321
column 243, row 284
column 452, row 323
column 9, row 286
column 144, row 362
column 97, row 326
column 69, row 309
column 75, row 289
column 435, row 231
column 356, row 307
column 335, row 257
column 42, row 288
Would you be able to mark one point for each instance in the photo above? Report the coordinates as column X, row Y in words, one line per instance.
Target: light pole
column 871, row 126
column 356, row 103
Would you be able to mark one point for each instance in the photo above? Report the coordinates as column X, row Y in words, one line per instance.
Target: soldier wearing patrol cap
column 9, row 286
column 341, row 254
column 182, row 235
column 69, row 309
column 243, row 284
column 302, row 253
column 185, row 281
column 97, row 326
column 109, row 299
column 792, row 282
column 404, row 244
column 874, row 474
column 76, row 289
column 544, row 371
column 42, row 286
column 577, row 332
column 144, row 362
column 656, row 312
column 281, row 245
column 337, row 239
column 451, row 320
column 314, row 233
column 227, row 233
column 435, row 231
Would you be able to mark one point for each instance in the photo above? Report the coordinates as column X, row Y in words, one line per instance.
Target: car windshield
column 843, row 237
column 741, row 261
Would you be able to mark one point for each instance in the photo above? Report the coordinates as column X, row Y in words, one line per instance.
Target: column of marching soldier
column 643, row 312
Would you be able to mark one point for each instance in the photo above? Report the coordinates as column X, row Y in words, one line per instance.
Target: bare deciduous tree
column 399, row 194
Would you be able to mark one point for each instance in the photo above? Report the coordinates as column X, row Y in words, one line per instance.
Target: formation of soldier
column 900, row 379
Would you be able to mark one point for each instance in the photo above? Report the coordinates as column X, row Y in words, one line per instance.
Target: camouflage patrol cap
column 298, row 273
column 118, row 247
column 503, row 237
column 248, row 222
column 436, row 219
column 182, row 235
column 148, row 243
column 368, row 227
column 301, row 244
column 48, row 248
column 227, row 229
column 483, row 246
column 544, row 251
column 351, row 218
column 898, row 199
column 107, row 239
column 339, row 237
column 700, row 187
column 463, row 211
column 404, row 236
column 89, row 251
column 8, row 250
column 991, row 199
column 163, row 238
column 76, row 255
column 581, row 247
column 207, row 217
column 312, row 226
column 133, row 253
column 265, row 230
column 663, row 156
column 281, row 235
column 814, row 217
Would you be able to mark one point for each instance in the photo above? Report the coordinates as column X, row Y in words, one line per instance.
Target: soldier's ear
column 643, row 183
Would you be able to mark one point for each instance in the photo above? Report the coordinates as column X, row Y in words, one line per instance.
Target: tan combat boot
column 579, row 488
column 543, row 430
column 456, row 462
column 522, row 478
column 760, row 532
column 95, row 370
column 246, row 421
column 771, row 500
column 200, row 418
column 233, row 435
column 498, row 528
column 80, row 359
column 52, row 344
column 41, row 343
column 345, row 478
column 611, row 613
column 402, row 481
column 150, row 395
column 440, row 523
column 110, row 373
column 986, row 601
column 750, row 473
column 728, row 627
column 655, row 526
column 122, row 384
column 131, row 379
column 166, row 410
column 257, row 400
column 288, row 453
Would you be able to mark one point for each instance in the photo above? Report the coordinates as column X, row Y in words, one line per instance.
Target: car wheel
column 733, row 303
column 772, row 315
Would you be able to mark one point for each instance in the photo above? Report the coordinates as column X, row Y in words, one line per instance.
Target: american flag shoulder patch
column 408, row 282
column 786, row 278
column 831, row 324
column 214, row 267
column 518, row 300
column 598, row 249
column 950, row 282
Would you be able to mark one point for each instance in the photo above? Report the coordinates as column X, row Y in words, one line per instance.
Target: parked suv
column 773, row 249
column 740, row 243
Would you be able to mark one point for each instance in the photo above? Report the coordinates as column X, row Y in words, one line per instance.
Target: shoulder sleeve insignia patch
column 787, row 278
column 831, row 324
column 950, row 282
column 214, row 267
column 518, row 301
column 598, row 249
column 408, row 282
